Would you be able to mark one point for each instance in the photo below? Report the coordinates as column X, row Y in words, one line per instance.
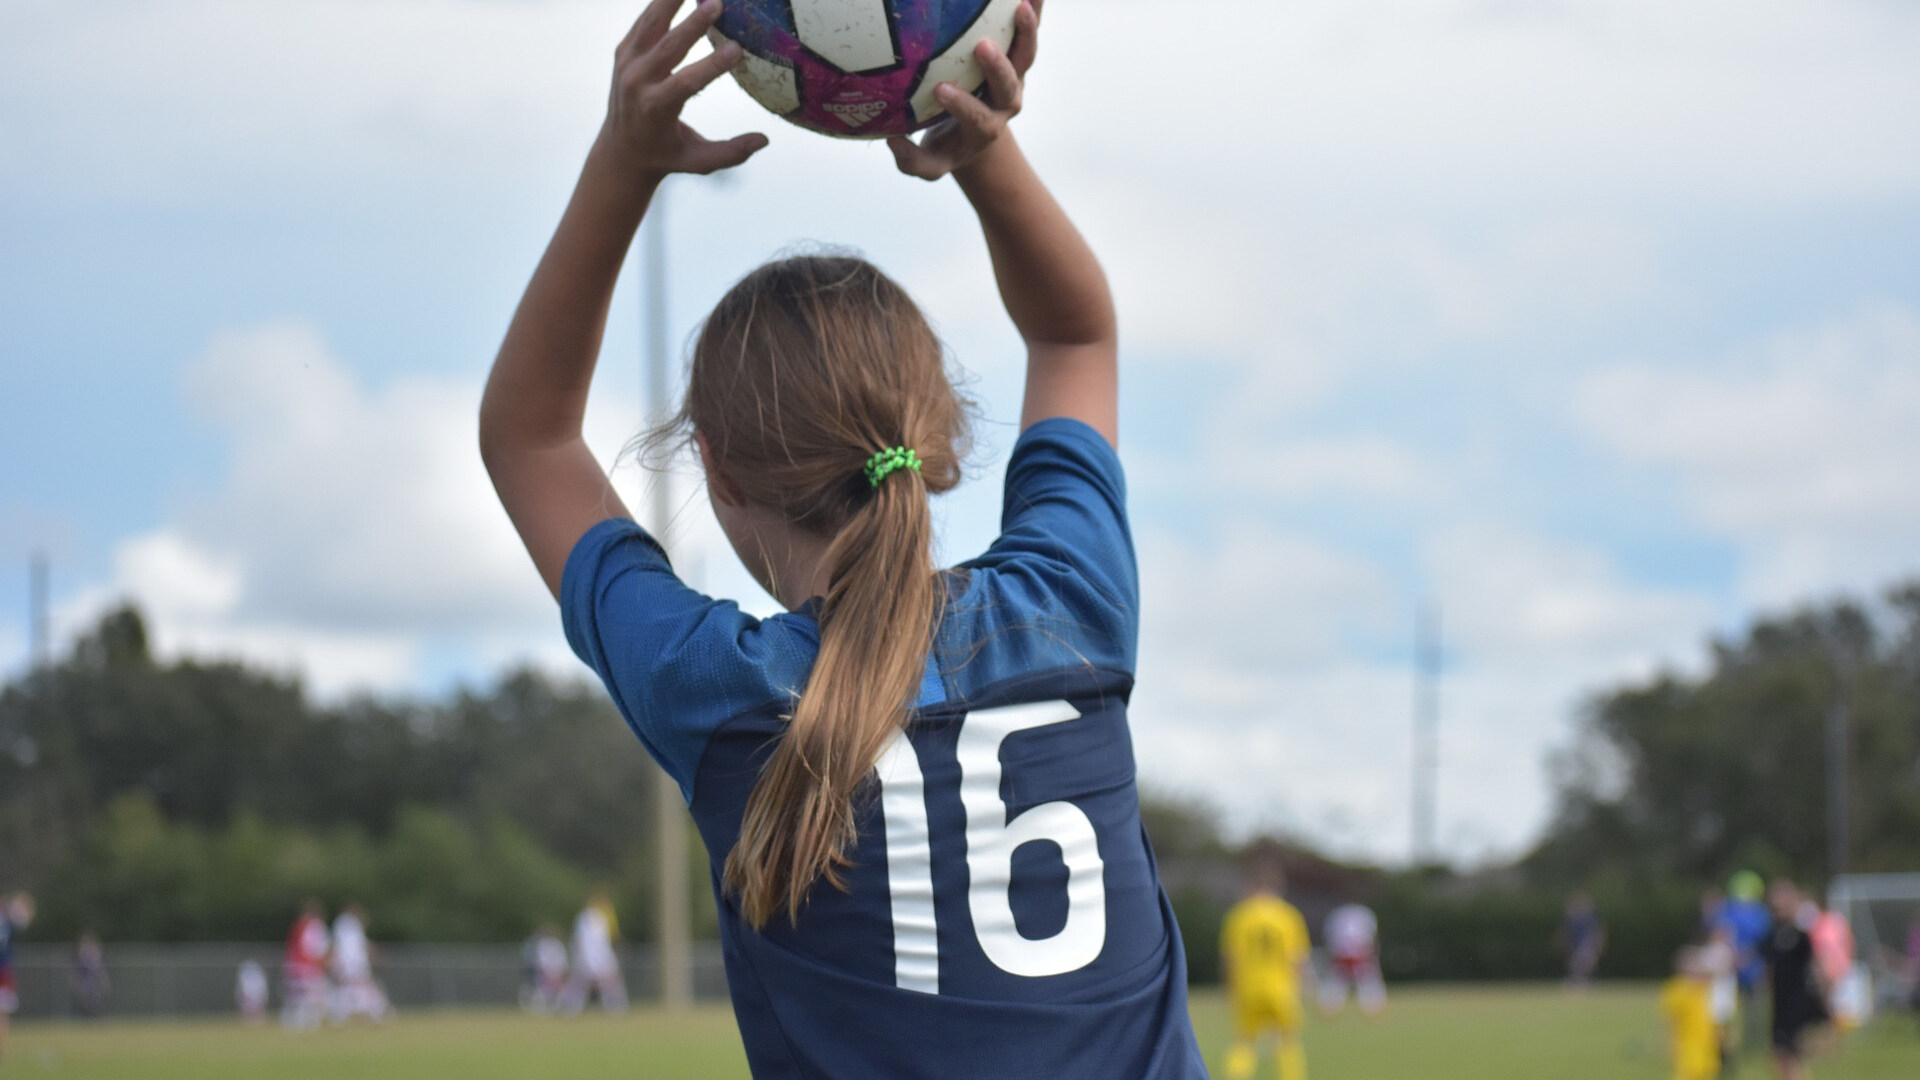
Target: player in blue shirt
column 16, row 911
column 1748, row 924
column 917, row 785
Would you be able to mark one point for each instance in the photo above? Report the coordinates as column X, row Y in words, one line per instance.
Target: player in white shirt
column 595, row 967
column 544, row 960
column 1719, row 961
column 355, row 991
column 1352, row 935
column 250, row 992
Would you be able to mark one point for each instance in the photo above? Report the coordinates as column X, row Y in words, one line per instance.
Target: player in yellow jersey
column 1686, row 1000
column 1264, row 952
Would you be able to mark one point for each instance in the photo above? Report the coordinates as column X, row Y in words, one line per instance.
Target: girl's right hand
column 643, row 130
column 972, row 125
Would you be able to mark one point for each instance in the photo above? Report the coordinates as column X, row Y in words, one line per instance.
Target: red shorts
column 1352, row 968
column 9, row 995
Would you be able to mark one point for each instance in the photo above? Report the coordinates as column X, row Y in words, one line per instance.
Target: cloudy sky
column 1596, row 324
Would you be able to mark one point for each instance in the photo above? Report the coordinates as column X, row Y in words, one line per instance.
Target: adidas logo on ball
column 857, row 113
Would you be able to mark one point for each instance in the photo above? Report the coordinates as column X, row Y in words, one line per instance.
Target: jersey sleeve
column 677, row 663
column 1065, row 548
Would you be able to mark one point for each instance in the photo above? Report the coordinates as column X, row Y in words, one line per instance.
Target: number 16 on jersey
column 991, row 840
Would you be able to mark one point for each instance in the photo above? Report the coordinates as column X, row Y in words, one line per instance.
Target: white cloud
column 1246, row 693
column 1320, row 747
column 1731, row 100
column 1530, row 626
column 1350, row 465
column 1513, row 599
column 173, row 576
column 356, row 508
column 1259, row 598
column 1276, row 674
column 231, row 93
column 354, row 532
column 1800, row 449
column 1556, row 269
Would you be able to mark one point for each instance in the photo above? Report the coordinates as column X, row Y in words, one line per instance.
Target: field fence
column 200, row 979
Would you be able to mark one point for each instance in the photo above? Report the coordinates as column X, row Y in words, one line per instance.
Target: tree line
column 1692, row 777
column 193, row 800
column 150, row 800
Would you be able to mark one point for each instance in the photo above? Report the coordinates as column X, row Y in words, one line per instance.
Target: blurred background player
column 1749, row 921
column 1264, row 953
column 1352, row 934
column 16, row 912
column 596, row 969
column 355, row 991
column 1583, row 937
column 303, row 973
column 250, row 992
column 1849, row 992
column 1912, row 967
column 89, row 983
column 543, row 961
column 1720, row 962
column 1798, row 997
column 1686, row 1000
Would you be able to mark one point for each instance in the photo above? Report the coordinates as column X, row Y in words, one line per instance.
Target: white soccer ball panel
column 775, row 86
column 852, row 35
column 957, row 64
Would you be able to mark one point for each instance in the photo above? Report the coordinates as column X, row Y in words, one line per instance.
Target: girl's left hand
column 973, row 125
column 643, row 126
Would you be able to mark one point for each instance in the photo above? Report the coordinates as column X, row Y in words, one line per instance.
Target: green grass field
column 1432, row 1034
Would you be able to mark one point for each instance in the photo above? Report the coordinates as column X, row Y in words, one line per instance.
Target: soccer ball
column 861, row 68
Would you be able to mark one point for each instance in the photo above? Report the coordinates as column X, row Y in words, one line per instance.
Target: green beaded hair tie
column 887, row 462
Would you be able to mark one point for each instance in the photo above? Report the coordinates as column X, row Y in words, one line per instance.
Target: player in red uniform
column 303, row 974
column 1352, row 935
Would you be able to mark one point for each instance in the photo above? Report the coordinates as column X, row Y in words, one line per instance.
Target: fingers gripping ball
column 861, row 68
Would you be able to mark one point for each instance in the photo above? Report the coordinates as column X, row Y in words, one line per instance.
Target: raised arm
column 536, row 396
column 1049, row 279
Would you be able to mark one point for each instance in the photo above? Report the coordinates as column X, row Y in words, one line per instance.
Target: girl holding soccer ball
column 917, row 782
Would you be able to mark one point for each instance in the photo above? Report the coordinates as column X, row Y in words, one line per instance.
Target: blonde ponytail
column 807, row 369
column 875, row 628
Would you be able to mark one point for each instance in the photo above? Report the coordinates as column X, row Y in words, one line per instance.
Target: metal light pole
column 39, row 625
column 670, row 814
column 1426, row 733
column 1839, row 739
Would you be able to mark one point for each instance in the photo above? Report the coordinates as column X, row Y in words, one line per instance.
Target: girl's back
column 1002, row 907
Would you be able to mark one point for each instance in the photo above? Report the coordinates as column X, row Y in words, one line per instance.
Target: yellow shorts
column 1696, row 1061
column 1260, row 1010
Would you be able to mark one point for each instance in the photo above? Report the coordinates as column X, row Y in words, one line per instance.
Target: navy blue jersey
column 6, row 941
column 1003, row 915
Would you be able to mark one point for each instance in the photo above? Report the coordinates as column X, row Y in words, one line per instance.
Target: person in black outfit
column 1799, row 1001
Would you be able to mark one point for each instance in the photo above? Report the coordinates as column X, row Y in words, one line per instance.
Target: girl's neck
column 802, row 575
column 788, row 561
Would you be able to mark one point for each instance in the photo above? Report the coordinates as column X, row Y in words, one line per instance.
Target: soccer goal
column 1884, row 910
